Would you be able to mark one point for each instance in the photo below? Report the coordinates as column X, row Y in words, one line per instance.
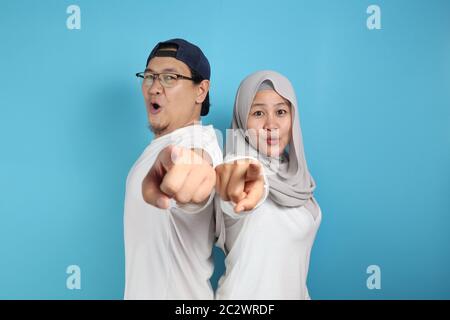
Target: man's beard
column 157, row 130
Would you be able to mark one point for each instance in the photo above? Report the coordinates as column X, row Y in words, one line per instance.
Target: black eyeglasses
column 167, row 79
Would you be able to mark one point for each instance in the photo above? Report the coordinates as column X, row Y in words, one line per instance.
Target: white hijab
column 291, row 184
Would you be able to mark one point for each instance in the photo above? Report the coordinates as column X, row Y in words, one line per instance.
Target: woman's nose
column 271, row 123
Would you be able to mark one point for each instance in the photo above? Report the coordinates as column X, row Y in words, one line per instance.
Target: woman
column 268, row 248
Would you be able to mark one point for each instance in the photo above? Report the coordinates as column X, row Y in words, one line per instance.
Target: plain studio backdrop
column 373, row 85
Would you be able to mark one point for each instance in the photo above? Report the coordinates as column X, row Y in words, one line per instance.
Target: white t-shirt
column 168, row 251
column 268, row 251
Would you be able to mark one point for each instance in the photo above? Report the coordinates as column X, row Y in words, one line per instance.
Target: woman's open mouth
column 272, row 141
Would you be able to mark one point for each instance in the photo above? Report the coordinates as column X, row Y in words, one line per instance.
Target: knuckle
column 233, row 191
column 228, row 168
column 219, row 169
column 169, row 186
column 235, row 197
column 182, row 197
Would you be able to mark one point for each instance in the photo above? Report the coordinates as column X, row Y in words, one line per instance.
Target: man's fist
column 178, row 173
column 240, row 181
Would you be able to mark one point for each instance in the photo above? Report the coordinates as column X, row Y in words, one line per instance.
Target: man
column 169, row 217
column 168, row 221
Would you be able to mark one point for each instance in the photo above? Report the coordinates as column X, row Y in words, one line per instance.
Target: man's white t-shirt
column 168, row 251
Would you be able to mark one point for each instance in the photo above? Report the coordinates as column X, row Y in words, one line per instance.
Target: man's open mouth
column 155, row 108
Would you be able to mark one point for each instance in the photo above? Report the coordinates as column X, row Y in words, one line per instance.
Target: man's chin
column 157, row 129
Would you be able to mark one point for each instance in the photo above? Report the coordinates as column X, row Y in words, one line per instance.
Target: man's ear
column 203, row 88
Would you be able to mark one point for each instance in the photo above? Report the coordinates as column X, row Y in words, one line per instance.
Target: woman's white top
column 268, row 251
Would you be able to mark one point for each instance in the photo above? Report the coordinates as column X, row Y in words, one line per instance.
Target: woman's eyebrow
column 259, row 104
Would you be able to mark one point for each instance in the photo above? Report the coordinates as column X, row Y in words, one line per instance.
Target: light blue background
column 375, row 114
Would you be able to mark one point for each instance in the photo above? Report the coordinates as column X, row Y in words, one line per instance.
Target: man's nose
column 155, row 88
